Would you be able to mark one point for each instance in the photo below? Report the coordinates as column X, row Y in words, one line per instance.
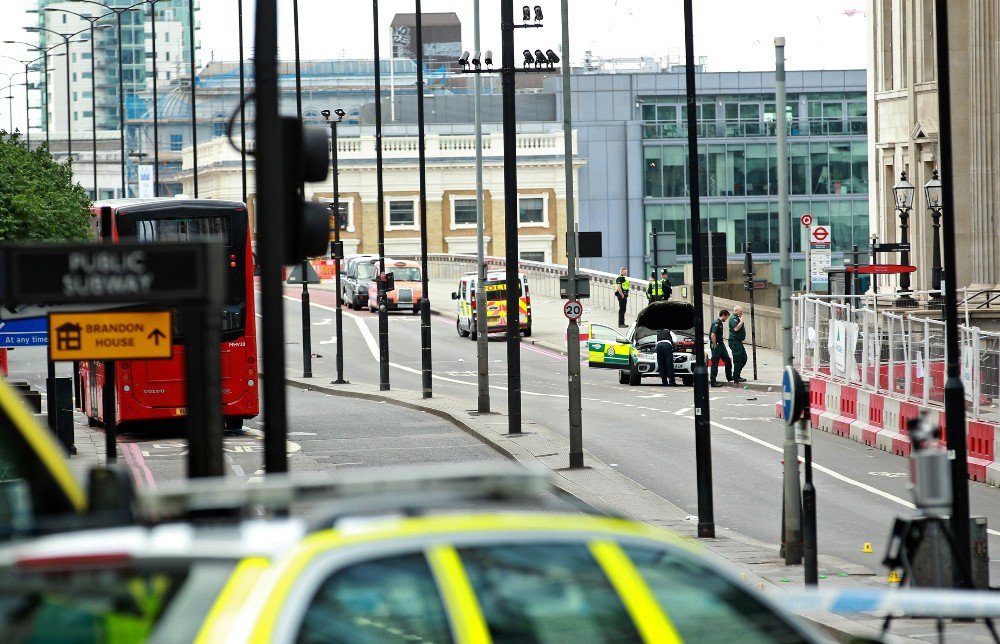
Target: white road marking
column 682, row 411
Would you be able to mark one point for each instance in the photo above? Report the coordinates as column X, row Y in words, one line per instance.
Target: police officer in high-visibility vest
column 654, row 292
column 718, row 346
column 622, row 287
column 737, row 334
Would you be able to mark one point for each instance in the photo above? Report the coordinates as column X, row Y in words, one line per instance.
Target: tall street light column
column 194, row 105
column 27, row 102
column 45, row 75
column 69, row 93
column 338, row 255
column 383, row 313
column 425, row 300
column 306, row 320
column 903, row 194
column 93, row 82
column 243, row 105
column 932, row 194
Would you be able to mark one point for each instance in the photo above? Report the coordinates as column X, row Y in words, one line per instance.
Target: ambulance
column 496, row 303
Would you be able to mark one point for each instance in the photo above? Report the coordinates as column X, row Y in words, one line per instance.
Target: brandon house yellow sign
column 108, row 335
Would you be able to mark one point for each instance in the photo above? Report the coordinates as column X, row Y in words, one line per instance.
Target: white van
column 496, row 303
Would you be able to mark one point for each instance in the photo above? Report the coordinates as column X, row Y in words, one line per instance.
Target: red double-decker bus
column 155, row 389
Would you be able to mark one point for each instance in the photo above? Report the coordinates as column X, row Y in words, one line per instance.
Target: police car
column 640, row 338
column 393, row 558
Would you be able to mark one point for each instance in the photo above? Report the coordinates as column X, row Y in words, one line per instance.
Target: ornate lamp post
column 903, row 194
column 932, row 193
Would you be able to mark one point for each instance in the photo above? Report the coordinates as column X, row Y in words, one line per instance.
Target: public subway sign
column 163, row 273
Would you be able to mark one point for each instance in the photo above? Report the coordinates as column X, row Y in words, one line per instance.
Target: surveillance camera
column 526, row 13
column 551, row 55
column 539, row 57
column 464, row 60
column 528, row 59
column 325, row 113
column 538, row 13
column 476, row 61
column 339, row 112
column 488, row 58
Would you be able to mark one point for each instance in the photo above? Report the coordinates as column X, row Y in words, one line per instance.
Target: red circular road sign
column 806, row 220
column 881, row 269
column 820, row 234
column 573, row 309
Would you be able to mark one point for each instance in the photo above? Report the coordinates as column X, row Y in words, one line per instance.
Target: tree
column 38, row 199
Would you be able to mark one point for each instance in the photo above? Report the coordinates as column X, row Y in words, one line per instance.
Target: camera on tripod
column 930, row 469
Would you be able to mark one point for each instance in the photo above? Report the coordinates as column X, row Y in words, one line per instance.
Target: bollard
column 64, row 413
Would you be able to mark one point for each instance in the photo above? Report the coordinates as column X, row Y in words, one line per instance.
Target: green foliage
column 38, row 199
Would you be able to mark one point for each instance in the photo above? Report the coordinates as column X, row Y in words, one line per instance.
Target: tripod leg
column 885, row 625
column 992, row 629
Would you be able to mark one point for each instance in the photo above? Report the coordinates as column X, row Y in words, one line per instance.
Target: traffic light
column 306, row 151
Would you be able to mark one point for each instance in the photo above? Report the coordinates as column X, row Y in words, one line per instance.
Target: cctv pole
column 510, row 219
column 792, row 493
column 482, row 339
column 337, row 263
column 194, row 108
column 954, row 391
column 271, row 234
column 383, row 313
column 572, row 328
column 702, row 422
column 425, row 302
column 306, row 321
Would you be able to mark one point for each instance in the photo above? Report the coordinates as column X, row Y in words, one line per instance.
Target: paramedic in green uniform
column 737, row 334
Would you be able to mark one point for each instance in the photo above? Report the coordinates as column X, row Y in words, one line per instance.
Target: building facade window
column 533, row 256
column 464, row 213
column 532, row 210
column 402, row 214
column 176, row 142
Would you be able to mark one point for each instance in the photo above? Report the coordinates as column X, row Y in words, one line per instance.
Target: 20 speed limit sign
column 573, row 309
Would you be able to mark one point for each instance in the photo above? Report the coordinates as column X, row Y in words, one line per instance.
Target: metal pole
column 702, row 422
column 306, row 322
column 27, row 101
column 510, row 219
column 482, row 338
column 194, row 107
column 809, row 533
column 156, row 106
column 954, row 392
column 121, row 104
column 753, row 321
column 93, row 107
column 792, row 496
column 572, row 328
column 336, row 238
column 383, row 313
column 425, row 301
column 69, row 108
column 809, row 278
column 45, row 96
column 270, row 233
column 243, row 110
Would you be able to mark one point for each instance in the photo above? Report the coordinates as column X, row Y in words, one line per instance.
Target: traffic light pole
column 425, row 301
column 383, row 313
column 271, row 233
column 306, row 318
column 702, row 422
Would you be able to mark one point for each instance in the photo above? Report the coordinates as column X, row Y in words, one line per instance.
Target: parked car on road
column 678, row 317
column 408, row 291
column 359, row 271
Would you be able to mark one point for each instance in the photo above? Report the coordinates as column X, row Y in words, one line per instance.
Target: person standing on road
column 622, row 287
column 665, row 356
column 737, row 334
column 666, row 288
column 719, row 353
column 654, row 292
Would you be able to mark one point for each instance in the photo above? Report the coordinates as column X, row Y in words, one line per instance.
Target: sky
column 734, row 35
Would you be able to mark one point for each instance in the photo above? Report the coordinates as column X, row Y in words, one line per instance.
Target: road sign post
column 187, row 276
column 806, row 221
column 795, row 408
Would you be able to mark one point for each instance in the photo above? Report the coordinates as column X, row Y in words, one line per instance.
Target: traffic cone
column 867, row 547
column 894, row 577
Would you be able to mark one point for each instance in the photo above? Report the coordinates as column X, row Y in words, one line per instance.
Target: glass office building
column 632, row 131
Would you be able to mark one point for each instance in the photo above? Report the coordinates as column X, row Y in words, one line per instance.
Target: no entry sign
column 820, row 235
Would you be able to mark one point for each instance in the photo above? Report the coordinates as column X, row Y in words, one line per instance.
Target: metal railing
column 882, row 345
column 543, row 279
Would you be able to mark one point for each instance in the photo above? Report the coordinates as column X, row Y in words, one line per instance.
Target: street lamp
column 93, row 82
column 27, row 101
column 45, row 76
column 932, row 193
column 69, row 92
column 903, row 192
column 121, row 82
column 337, row 250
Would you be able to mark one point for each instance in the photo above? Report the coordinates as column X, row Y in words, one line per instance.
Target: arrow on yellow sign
column 110, row 335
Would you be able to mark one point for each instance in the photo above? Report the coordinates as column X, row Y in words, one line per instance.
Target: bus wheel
column 527, row 332
column 461, row 332
column 234, row 423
